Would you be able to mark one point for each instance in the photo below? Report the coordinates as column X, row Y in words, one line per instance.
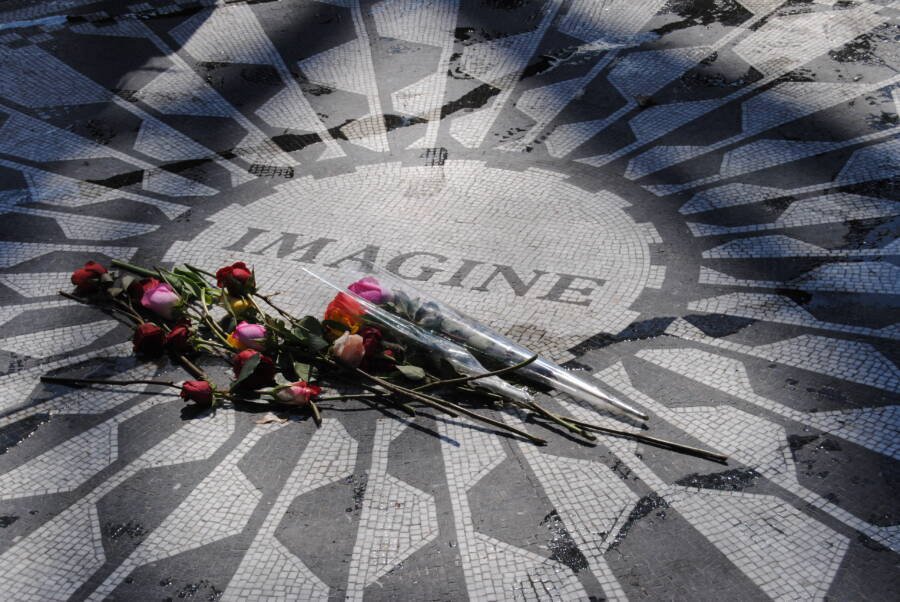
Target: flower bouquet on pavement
column 401, row 349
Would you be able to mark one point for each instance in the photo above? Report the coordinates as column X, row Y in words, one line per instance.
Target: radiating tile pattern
column 778, row 308
column 58, row 558
column 754, row 442
column 874, row 277
column 205, row 516
column 269, row 570
column 492, row 567
column 396, row 520
column 694, row 200
column 875, row 428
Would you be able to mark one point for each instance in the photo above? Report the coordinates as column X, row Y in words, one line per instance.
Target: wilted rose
column 149, row 340
column 179, row 338
column 87, row 279
column 160, row 298
column 198, row 391
column 349, row 348
column 371, row 290
column 237, row 279
column 298, row 393
column 263, row 375
column 248, row 336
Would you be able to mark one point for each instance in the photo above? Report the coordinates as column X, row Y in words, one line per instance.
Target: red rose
column 198, row 391
column 262, row 376
column 237, row 278
column 179, row 338
column 87, row 279
column 371, row 337
column 149, row 340
column 135, row 290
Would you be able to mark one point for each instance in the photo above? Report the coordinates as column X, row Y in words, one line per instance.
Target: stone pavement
column 693, row 200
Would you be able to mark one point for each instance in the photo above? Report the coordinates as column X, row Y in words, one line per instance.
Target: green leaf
column 281, row 380
column 304, row 371
column 248, row 369
column 311, row 325
column 317, row 343
column 411, row 372
column 331, row 324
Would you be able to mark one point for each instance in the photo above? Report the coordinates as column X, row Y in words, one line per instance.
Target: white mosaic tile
column 396, row 519
column 269, row 570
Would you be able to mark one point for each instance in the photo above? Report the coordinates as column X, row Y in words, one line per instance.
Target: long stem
column 199, row 271
column 72, row 297
column 192, row 368
column 210, row 322
column 655, row 441
column 561, row 421
column 136, row 269
column 384, row 396
column 352, row 396
column 465, row 379
column 100, row 381
column 280, row 311
column 449, row 407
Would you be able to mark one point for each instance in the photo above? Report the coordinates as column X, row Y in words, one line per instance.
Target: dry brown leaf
column 269, row 418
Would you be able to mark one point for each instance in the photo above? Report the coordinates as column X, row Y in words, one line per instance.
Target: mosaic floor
column 694, row 201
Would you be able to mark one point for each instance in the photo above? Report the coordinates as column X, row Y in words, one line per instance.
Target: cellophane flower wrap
column 403, row 300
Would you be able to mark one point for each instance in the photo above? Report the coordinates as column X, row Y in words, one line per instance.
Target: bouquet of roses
column 399, row 347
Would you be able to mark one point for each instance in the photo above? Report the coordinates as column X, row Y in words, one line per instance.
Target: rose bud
column 160, row 298
column 198, row 391
column 371, row 290
column 238, row 306
column 371, row 337
column 237, row 279
column 349, row 348
column 179, row 338
column 385, row 362
column 149, row 340
column 87, row 279
column 298, row 393
column 262, row 376
column 345, row 310
column 248, row 336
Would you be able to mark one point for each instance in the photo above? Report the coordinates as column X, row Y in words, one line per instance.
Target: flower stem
column 281, row 312
column 136, row 269
column 465, row 379
column 317, row 416
column 60, row 380
column 199, row 271
column 448, row 407
column 210, row 322
column 192, row 368
column 564, row 422
column 654, row 441
column 78, row 299
column 353, row 396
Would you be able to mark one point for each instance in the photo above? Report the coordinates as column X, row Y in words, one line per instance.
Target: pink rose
column 371, row 290
column 349, row 348
column 248, row 336
column 160, row 298
column 298, row 393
